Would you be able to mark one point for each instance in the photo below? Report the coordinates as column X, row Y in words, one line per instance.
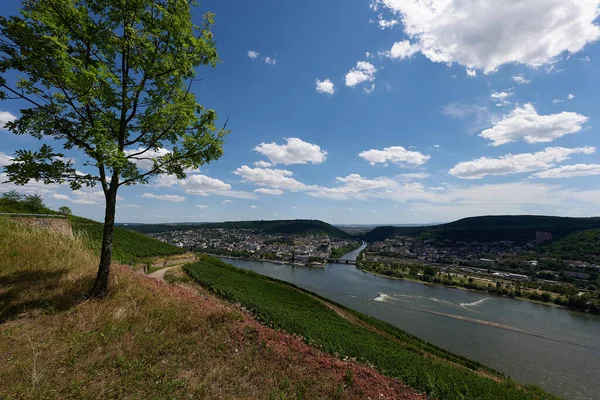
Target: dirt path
column 160, row 274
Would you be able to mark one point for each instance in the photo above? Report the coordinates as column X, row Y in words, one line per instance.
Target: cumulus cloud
column 145, row 161
column 325, row 86
column 6, row 117
column 524, row 123
column 486, row 34
column 253, row 206
column 262, row 164
column 5, row 159
column 515, row 163
column 295, row 151
column 270, row 60
column 253, row 54
column 570, row 171
column 395, row 154
column 83, row 196
column 500, row 95
column 202, row 206
column 401, row 50
column 203, row 185
column 272, row 192
column 165, row 197
column 471, row 73
column 273, row 178
column 363, row 72
column 520, row 79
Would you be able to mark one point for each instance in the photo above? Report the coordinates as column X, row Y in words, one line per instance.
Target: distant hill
column 582, row 245
column 491, row 228
column 286, row 227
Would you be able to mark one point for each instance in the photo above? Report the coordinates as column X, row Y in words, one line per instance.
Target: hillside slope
column 294, row 226
column 491, row 228
column 146, row 340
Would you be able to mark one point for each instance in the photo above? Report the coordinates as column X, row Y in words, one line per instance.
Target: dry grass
column 146, row 340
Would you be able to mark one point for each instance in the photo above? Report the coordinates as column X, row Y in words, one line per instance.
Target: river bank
column 296, row 264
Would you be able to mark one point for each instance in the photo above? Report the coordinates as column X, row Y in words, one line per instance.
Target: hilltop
column 490, row 228
column 287, row 227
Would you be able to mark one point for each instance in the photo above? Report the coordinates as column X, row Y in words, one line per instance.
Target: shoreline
column 471, row 290
column 296, row 264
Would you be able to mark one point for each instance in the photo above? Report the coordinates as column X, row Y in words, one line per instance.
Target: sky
column 382, row 112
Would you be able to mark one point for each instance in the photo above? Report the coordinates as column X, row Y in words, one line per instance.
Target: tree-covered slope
column 490, row 228
column 295, row 226
column 583, row 245
column 128, row 246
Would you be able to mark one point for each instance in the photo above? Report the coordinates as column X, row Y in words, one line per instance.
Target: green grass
column 20, row 207
column 128, row 247
column 418, row 364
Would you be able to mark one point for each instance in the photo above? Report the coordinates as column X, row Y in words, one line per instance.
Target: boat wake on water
column 475, row 303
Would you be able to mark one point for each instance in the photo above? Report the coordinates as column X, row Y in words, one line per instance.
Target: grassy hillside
column 128, row 246
column 490, row 228
column 146, row 340
column 340, row 331
column 296, row 226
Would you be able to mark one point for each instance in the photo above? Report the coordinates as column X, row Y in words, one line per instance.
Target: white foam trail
column 475, row 303
column 382, row 297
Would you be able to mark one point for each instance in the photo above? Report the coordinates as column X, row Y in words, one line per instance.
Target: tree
column 13, row 196
column 111, row 79
column 35, row 203
column 64, row 210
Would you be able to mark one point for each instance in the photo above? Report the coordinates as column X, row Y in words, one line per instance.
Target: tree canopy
column 112, row 79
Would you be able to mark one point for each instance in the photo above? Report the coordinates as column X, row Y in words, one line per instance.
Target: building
column 541, row 237
column 486, row 261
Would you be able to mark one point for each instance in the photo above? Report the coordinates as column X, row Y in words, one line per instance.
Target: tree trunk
column 100, row 288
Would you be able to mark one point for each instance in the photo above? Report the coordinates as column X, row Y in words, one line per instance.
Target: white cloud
column 203, row 185
column 395, row 154
column 166, row 197
column 369, row 55
column 500, row 95
column 262, row 164
column 253, row 206
column 486, row 34
column 164, row 181
column 570, row 96
column 363, row 72
column 202, row 206
column 255, row 55
column 272, row 192
column 520, row 79
column 526, row 124
column 570, row 171
column 295, row 151
column 236, row 194
column 369, row 90
column 273, row 178
column 471, row 73
column 5, row 159
column 91, row 197
column 6, row 117
column 145, row 161
column 325, row 86
column 401, row 50
column 515, row 163
column 437, row 146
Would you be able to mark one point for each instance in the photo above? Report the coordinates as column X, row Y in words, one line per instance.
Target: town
column 306, row 249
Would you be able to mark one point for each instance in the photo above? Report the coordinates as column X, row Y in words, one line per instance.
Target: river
column 556, row 349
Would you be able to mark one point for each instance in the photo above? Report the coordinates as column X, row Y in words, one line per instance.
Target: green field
column 393, row 352
column 128, row 247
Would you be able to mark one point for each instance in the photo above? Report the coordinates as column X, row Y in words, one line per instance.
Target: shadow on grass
column 45, row 291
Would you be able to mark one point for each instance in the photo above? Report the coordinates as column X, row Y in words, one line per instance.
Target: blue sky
column 394, row 111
